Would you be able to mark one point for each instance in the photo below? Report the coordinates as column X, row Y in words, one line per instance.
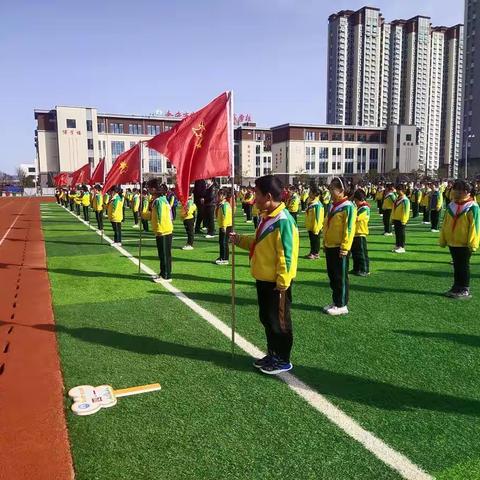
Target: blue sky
column 139, row 56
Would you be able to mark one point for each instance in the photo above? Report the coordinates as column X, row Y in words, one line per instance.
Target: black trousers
column 361, row 262
column 209, row 214
column 164, row 249
column 274, row 311
column 387, row 226
column 135, row 218
column 399, row 233
column 189, row 226
column 303, row 204
column 337, row 269
column 414, row 210
column 123, row 219
column 174, row 213
column 426, row 214
column 294, row 215
column 71, row 205
column 248, row 211
column 99, row 218
column 77, row 209
column 461, row 267
column 145, row 225
column 314, row 243
column 435, row 218
column 379, row 206
column 86, row 213
column 223, row 234
column 117, row 232
column 199, row 220
column 255, row 221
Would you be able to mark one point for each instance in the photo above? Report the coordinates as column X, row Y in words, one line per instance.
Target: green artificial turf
column 404, row 363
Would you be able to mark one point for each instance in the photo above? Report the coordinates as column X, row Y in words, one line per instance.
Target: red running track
column 33, row 434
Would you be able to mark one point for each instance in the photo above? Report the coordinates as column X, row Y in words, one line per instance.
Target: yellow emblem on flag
column 198, row 132
column 123, row 166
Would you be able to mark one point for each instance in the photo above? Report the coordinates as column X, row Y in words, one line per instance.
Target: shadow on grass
column 343, row 386
column 94, row 274
column 460, row 338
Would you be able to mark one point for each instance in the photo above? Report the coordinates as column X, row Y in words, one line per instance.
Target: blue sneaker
column 276, row 366
column 263, row 362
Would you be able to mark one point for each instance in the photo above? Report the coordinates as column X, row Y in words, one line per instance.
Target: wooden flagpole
column 140, row 210
column 231, row 138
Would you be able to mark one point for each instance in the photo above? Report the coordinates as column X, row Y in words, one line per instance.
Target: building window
column 89, row 125
column 373, row 155
column 257, row 160
column 323, row 153
column 135, row 129
column 323, row 167
column 117, row 149
column 257, row 172
column 153, row 129
column 349, row 137
column 409, row 137
column 257, row 149
column 323, row 135
column 309, row 135
column 71, row 123
column 337, row 136
column 116, row 128
column 90, row 143
column 362, row 137
column 348, row 167
column 349, row 152
column 154, row 161
column 101, row 127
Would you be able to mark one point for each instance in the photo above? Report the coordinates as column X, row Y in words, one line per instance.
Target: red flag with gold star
column 125, row 169
column 80, row 176
column 98, row 175
column 198, row 146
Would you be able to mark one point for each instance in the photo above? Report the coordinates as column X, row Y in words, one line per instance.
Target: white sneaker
column 328, row 307
column 221, row 262
column 167, row 280
column 335, row 311
column 135, row 226
column 119, row 244
column 187, row 247
column 203, row 229
column 248, row 221
column 426, row 223
column 433, row 230
column 210, row 236
column 399, row 250
column 388, row 234
column 157, row 279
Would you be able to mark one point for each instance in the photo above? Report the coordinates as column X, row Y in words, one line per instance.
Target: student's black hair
column 360, row 195
column 340, row 183
column 401, row 186
column 162, row 189
column 389, row 186
column 98, row 186
column 463, row 186
column 154, row 183
column 118, row 189
column 314, row 189
column 272, row 185
column 222, row 192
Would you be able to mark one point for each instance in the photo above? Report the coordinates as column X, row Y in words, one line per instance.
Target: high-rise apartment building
column 400, row 73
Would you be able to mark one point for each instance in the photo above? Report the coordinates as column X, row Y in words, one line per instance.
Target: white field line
column 373, row 444
column 13, row 223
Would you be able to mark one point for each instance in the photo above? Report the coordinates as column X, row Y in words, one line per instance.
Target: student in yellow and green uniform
column 71, row 199
column 325, row 196
column 415, row 200
column 188, row 215
column 461, row 233
column 400, row 217
column 145, row 213
column 172, row 200
column 162, row 227
column 115, row 213
column 106, row 200
column 425, row 203
column 85, row 200
column 293, row 204
column 476, row 193
column 387, row 207
column 304, row 194
column 248, row 201
column 379, row 198
column 97, row 206
column 314, row 217
column 78, row 199
column 361, row 261
column 436, row 203
column 135, row 206
column 255, row 215
column 223, row 213
column 338, row 234
column 273, row 264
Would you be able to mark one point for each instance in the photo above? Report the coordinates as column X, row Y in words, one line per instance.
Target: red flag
column 82, row 175
column 98, row 175
column 198, row 146
column 125, row 169
column 61, row 179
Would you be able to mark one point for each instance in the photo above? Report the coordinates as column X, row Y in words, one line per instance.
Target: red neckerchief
column 458, row 212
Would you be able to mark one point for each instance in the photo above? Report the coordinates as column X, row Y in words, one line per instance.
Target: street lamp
column 469, row 136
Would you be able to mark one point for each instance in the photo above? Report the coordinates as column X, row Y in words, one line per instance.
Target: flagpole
column 140, row 209
column 231, row 136
column 103, row 184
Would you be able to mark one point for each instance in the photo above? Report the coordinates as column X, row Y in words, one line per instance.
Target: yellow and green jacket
column 161, row 216
column 85, row 199
column 146, row 214
column 477, row 197
column 255, row 210
column 379, row 195
column 274, row 250
column 115, row 208
column 314, row 216
column 436, row 200
column 78, row 198
column 305, row 195
column 425, row 202
column 389, row 201
column 188, row 212
column 135, row 203
column 401, row 210
column 363, row 217
column 416, row 196
column 339, row 228
column 461, row 225
column 294, row 203
column 325, row 197
column 106, row 199
column 224, row 214
column 97, row 202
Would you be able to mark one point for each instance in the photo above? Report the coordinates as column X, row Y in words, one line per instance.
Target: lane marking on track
column 13, row 223
column 395, row 460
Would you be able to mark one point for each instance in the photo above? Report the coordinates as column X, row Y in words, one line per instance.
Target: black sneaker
column 262, row 362
column 276, row 366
